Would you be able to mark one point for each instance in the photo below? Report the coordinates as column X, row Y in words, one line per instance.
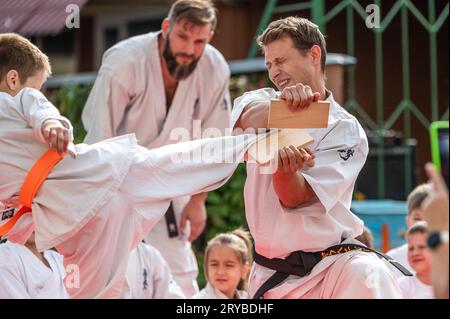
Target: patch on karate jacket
column 196, row 111
column 346, row 153
column 144, row 282
column 7, row 213
column 226, row 104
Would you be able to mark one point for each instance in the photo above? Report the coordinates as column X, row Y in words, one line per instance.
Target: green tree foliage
column 70, row 102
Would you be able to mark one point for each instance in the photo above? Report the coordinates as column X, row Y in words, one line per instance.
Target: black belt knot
column 300, row 263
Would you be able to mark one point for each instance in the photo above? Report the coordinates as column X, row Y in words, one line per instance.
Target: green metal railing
column 406, row 107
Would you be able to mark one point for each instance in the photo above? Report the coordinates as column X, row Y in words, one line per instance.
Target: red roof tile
column 35, row 17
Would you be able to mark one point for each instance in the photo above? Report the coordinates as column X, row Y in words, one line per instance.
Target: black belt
column 171, row 222
column 301, row 263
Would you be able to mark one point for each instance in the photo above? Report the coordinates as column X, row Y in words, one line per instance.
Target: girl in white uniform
column 227, row 264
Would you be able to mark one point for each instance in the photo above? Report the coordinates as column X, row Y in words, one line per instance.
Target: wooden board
column 314, row 116
column 266, row 149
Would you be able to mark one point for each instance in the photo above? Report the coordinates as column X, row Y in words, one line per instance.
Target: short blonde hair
column 417, row 197
column 239, row 241
column 18, row 53
column 304, row 35
column 418, row 228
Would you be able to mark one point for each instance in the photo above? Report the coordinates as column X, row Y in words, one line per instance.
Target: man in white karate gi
column 302, row 208
column 149, row 277
column 166, row 86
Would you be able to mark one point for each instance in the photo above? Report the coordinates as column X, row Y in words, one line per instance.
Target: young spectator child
column 227, row 263
column 95, row 206
column 415, row 214
column 419, row 257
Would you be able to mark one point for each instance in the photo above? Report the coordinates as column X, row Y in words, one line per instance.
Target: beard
column 177, row 70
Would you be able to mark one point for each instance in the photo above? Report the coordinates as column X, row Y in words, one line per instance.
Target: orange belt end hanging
column 34, row 180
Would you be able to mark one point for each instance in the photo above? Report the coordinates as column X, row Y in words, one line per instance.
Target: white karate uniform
column 97, row 207
column 24, row 276
column 209, row 292
column 400, row 254
column 129, row 97
column 413, row 288
column 148, row 276
column 341, row 151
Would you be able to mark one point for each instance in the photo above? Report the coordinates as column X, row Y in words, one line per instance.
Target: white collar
column 210, row 289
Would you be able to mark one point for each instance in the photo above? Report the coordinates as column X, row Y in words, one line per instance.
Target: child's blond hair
column 18, row 53
column 239, row 241
column 418, row 228
column 418, row 196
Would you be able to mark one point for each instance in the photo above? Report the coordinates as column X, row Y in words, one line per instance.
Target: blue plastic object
column 375, row 213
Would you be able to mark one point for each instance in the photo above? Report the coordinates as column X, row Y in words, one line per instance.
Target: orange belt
column 35, row 178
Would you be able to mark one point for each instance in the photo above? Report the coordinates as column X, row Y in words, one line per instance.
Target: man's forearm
column 255, row 115
column 292, row 189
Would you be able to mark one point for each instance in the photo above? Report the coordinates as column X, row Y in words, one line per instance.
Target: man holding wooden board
column 299, row 216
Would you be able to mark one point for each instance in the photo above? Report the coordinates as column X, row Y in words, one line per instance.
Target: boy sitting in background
column 419, row 257
column 415, row 214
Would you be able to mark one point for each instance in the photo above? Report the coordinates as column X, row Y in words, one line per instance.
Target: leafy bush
column 226, row 212
column 70, row 101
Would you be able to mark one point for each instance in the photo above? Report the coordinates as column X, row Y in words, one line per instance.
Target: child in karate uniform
column 414, row 215
column 227, row 264
column 419, row 257
column 116, row 190
column 26, row 273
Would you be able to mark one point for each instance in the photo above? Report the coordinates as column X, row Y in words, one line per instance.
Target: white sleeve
column 36, row 109
column 340, row 157
column 164, row 286
column 107, row 101
column 241, row 102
